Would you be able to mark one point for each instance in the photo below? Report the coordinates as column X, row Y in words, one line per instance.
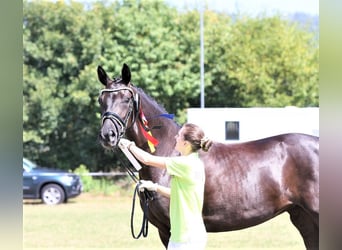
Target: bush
column 87, row 180
column 103, row 185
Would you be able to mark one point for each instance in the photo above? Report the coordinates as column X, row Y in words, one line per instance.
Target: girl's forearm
column 164, row 191
column 147, row 158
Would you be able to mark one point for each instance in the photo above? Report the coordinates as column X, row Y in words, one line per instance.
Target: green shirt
column 186, row 199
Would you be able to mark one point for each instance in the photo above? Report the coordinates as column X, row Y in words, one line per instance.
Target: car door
column 29, row 184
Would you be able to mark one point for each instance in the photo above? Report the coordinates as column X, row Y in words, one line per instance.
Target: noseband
column 115, row 117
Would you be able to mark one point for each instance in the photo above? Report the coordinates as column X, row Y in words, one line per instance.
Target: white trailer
column 245, row 124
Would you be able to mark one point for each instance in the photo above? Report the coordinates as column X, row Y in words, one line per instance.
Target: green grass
column 103, row 222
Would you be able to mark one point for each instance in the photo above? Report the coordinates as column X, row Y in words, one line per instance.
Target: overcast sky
column 254, row 6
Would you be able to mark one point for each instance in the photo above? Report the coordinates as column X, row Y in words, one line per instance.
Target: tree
column 249, row 62
column 161, row 53
column 260, row 62
column 60, row 43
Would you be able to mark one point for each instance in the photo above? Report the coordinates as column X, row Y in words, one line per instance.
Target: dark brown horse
column 246, row 183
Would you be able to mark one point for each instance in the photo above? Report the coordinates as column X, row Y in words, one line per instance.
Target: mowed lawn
column 103, row 222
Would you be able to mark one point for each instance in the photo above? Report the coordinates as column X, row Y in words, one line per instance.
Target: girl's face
column 181, row 144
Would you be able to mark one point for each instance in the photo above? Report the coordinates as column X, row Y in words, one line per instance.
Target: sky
column 254, row 7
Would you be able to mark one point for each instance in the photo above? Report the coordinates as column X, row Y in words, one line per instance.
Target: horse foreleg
column 307, row 227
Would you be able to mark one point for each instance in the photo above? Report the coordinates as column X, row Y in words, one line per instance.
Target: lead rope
column 147, row 197
column 144, row 226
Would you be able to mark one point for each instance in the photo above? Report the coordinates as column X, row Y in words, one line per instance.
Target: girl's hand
column 149, row 185
column 126, row 143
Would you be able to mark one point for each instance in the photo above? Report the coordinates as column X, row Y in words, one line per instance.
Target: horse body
column 246, row 183
column 252, row 182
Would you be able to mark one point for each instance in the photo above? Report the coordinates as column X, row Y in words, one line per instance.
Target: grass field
column 103, row 222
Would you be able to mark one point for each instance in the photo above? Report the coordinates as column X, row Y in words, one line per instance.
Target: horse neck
column 161, row 128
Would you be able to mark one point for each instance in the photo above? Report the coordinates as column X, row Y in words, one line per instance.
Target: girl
column 187, row 186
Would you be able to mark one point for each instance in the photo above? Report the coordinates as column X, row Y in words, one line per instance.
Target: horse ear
column 126, row 73
column 102, row 75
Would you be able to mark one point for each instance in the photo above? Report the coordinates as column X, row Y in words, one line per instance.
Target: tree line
column 249, row 61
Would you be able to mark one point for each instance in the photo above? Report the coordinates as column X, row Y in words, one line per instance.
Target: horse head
column 119, row 103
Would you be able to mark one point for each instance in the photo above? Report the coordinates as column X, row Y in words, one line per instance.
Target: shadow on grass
column 40, row 202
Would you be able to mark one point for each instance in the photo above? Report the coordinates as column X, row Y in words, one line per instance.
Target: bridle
column 133, row 105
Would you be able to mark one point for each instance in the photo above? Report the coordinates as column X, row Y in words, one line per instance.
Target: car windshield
column 28, row 165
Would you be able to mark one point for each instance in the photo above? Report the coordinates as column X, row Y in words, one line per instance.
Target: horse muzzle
column 110, row 134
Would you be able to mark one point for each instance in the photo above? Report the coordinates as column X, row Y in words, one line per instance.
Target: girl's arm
column 151, row 186
column 151, row 160
column 164, row 191
column 147, row 158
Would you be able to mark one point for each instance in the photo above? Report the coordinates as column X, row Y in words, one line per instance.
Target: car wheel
column 52, row 194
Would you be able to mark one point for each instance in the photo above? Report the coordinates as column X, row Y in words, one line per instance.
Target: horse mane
column 157, row 105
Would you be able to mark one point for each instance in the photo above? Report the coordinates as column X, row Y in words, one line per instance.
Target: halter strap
column 116, row 90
